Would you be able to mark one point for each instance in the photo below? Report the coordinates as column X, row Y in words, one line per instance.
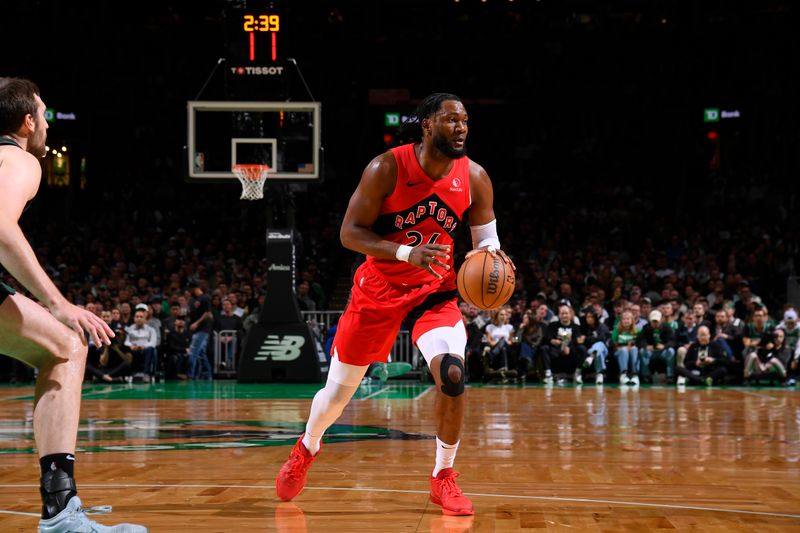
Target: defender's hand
column 494, row 251
column 80, row 320
column 425, row 256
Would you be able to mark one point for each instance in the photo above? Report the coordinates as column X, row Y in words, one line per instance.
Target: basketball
column 486, row 281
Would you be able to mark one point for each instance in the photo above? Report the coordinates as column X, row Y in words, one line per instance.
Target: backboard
column 283, row 135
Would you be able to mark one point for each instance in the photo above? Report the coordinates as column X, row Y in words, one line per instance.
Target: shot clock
column 262, row 27
column 261, row 116
column 255, row 34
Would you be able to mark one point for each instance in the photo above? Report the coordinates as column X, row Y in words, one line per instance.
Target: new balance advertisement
column 282, row 353
column 281, row 347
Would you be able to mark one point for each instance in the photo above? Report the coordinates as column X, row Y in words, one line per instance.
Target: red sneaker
column 292, row 477
column 445, row 492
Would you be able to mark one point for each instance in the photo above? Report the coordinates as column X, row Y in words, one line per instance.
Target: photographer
column 113, row 362
column 177, row 349
column 562, row 348
column 706, row 361
column 770, row 360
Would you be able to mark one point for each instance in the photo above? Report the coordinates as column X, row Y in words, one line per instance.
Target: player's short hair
column 16, row 101
column 411, row 130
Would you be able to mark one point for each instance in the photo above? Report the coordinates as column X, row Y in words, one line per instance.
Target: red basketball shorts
column 377, row 308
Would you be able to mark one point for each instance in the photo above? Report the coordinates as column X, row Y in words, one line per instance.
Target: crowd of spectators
column 635, row 267
column 605, row 248
column 141, row 277
column 687, row 340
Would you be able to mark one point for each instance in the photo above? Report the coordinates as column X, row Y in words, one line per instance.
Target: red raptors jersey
column 421, row 211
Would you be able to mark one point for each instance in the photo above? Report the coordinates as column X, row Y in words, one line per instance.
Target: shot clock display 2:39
column 262, row 23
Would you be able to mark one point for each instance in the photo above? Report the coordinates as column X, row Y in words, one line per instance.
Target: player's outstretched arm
column 481, row 213
column 377, row 182
column 21, row 175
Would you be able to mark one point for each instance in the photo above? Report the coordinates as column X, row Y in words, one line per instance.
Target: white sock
column 328, row 404
column 445, row 455
column 311, row 442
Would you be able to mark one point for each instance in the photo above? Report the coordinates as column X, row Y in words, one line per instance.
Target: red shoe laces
column 449, row 485
column 298, row 461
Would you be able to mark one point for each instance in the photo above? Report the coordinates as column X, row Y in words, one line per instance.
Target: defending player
column 52, row 338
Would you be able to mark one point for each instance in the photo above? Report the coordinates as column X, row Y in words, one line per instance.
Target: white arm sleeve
column 485, row 235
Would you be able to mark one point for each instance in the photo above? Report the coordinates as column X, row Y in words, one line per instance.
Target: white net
column 252, row 178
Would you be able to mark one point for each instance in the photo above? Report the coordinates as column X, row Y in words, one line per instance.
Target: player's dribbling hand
column 494, row 251
column 426, row 256
column 80, row 320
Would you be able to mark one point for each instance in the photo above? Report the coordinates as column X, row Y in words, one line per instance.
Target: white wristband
column 402, row 253
column 485, row 235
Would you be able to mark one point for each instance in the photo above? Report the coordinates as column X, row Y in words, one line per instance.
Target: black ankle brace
column 56, row 488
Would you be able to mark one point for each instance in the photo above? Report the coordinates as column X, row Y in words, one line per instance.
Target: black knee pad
column 449, row 387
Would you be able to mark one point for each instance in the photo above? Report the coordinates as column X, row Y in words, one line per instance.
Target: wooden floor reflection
column 532, row 459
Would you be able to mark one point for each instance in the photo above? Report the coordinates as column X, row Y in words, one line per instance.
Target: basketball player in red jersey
column 410, row 202
column 49, row 338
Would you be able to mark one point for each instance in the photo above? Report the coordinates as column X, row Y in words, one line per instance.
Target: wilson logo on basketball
column 484, row 280
column 494, row 277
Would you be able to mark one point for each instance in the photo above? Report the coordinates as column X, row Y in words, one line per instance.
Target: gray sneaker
column 73, row 519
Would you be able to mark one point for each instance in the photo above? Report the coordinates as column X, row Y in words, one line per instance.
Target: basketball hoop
column 252, row 178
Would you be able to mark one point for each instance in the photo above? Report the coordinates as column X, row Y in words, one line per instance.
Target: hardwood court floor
column 203, row 458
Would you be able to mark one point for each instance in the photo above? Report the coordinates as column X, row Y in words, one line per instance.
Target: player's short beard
column 441, row 143
column 38, row 141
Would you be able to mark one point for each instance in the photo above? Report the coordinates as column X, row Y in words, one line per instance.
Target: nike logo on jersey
column 414, row 183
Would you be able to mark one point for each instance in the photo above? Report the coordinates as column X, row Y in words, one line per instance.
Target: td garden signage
column 715, row 114
column 51, row 115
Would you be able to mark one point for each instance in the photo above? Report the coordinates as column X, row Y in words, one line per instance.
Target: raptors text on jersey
column 421, row 210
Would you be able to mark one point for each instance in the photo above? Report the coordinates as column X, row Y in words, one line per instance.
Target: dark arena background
column 644, row 160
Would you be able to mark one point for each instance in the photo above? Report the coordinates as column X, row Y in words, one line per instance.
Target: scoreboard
column 254, row 37
column 256, row 47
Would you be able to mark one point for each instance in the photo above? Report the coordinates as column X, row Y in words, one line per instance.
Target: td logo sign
column 711, row 114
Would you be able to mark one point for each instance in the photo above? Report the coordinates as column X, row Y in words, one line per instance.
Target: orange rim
column 250, row 167
column 251, row 172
